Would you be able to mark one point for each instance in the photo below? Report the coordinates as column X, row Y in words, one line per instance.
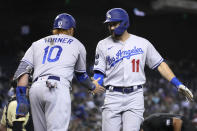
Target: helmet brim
column 111, row 20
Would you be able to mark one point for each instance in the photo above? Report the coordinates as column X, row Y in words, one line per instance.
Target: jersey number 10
column 48, row 53
column 135, row 63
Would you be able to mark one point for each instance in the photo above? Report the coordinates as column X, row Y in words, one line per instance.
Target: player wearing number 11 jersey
column 119, row 62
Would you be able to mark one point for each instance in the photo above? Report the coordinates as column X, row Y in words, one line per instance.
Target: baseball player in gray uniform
column 54, row 59
column 119, row 62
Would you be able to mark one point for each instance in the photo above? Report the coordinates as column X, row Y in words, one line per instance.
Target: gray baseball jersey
column 56, row 55
column 123, row 63
column 59, row 56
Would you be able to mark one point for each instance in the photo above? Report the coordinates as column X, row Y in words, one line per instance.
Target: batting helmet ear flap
column 121, row 28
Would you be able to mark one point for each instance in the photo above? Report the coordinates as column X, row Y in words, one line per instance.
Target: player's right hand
column 99, row 89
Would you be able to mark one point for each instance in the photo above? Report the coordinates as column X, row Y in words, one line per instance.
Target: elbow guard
column 23, row 68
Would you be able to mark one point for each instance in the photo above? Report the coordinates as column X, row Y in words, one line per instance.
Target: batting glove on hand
column 22, row 102
column 186, row 92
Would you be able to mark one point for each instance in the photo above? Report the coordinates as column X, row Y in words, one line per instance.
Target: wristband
column 99, row 75
column 81, row 76
column 22, row 101
column 175, row 82
column 21, row 90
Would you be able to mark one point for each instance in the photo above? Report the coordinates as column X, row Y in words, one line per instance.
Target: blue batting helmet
column 64, row 21
column 118, row 15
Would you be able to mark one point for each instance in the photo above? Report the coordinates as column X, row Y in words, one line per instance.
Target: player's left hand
column 99, row 89
column 186, row 92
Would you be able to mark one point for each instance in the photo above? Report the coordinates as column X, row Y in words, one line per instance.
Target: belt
column 123, row 89
column 49, row 77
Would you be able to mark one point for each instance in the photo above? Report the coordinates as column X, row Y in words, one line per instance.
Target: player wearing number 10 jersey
column 54, row 60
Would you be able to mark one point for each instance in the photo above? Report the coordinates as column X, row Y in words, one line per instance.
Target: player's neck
column 65, row 32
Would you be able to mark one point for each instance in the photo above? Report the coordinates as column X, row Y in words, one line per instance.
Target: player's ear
column 54, row 31
column 72, row 31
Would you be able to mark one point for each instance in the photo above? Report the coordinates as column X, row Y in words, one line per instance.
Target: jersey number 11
column 135, row 63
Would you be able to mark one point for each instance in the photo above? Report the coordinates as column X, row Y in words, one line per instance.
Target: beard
column 114, row 36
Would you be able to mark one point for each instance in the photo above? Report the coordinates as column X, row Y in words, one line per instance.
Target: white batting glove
column 186, row 92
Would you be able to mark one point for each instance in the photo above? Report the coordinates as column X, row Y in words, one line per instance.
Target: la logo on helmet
column 60, row 24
